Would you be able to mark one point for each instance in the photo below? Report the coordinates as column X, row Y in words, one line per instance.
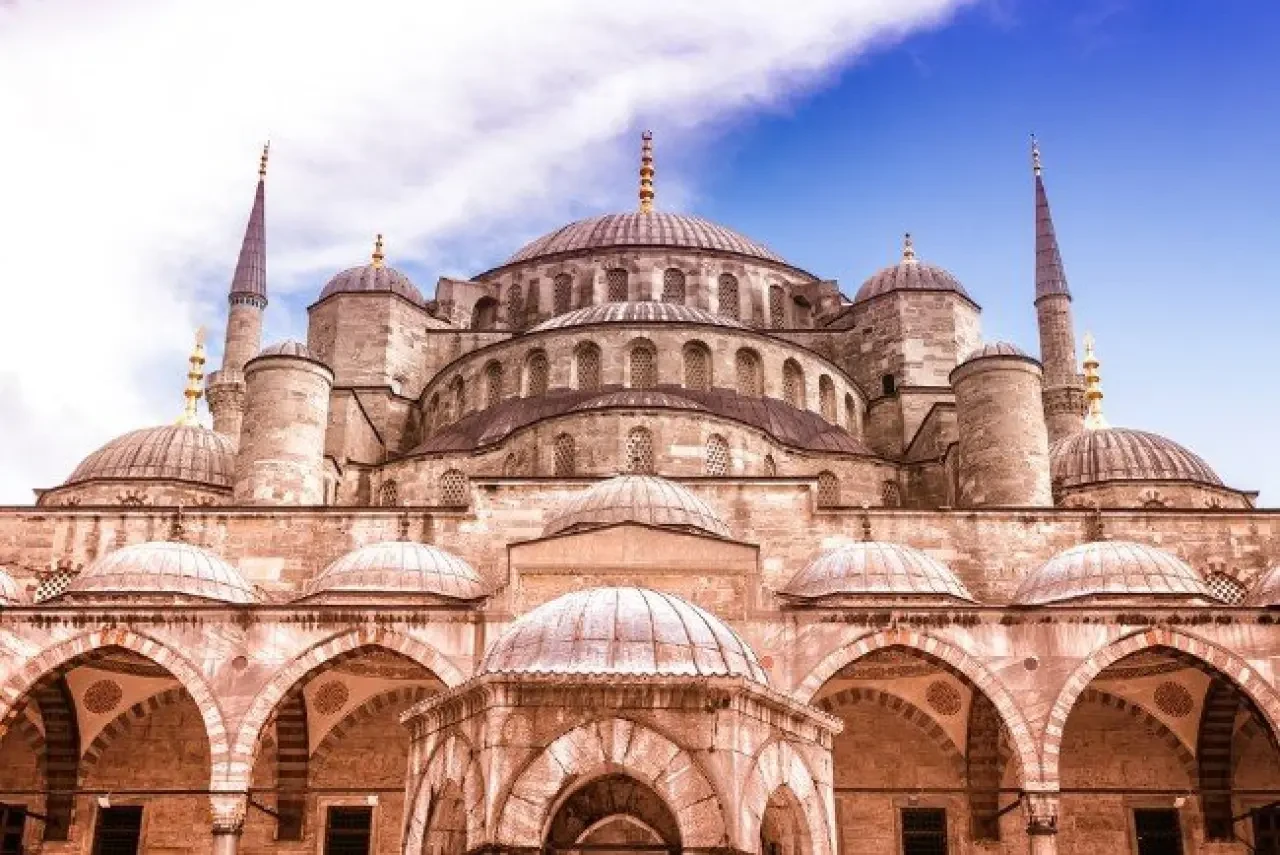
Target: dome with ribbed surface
column 638, row 398
column 644, row 499
column 636, row 313
column 167, row 453
column 10, row 593
column 1121, row 454
column 1113, row 569
column 1266, row 591
column 638, row 230
column 372, row 278
column 880, row 570
column 625, row 631
column 996, row 348
column 288, row 347
column 399, row 567
column 164, row 568
column 909, row 275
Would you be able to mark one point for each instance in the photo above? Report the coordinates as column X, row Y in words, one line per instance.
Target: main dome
column 164, row 568
column 399, row 567
column 873, row 569
column 632, row 631
column 643, row 312
column 643, row 499
column 1121, row 454
column 638, row 229
column 167, row 453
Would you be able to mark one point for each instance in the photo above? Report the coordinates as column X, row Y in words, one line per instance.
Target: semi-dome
column 873, row 569
column 167, row 453
column 650, row 312
column 1112, row 569
column 910, row 274
column 399, row 567
column 625, row 631
column 639, row 398
column 643, row 499
column 996, row 348
column 288, row 347
column 164, row 568
column 10, row 593
column 1121, row 454
column 373, row 278
column 1266, row 591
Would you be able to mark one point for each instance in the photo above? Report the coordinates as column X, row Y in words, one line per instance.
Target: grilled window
column 793, row 384
column 562, row 286
column 515, row 305
column 697, row 366
column 644, row 366
column 565, row 452
column 673, row 285
column 347, row 830
column 728, row 296
column 616, row 285
column 453, row 489
column 55, row 584
column 717, row 455
column 538, row 370
column 640, row 451
column 777, row 307
column 891, row 494
column 1226, row 589
column 827, row 398
column 828, row 489
column 924, row 831
column 389, row 495
column 588, row 359
column 747, row 365
column 118, row 830
column 493, row 384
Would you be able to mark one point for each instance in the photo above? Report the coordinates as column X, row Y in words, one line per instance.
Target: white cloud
column 131, row 129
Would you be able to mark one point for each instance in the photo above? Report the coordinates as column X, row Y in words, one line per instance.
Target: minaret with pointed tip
column 248, row 301
column 1063, row 391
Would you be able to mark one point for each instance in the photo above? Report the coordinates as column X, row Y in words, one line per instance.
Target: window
column 891, row 494
column 515, row 305
column 510, row 465
column 770, row 467
column 493, row 384
column 777, row 307
column 431, row 420
column 389, row 495
column 586, row 292
column 924, row 831
column 888, row 385
column 562, row 297
column 1158, row 831
column 453, row 489
column 55, row 584
column 533, row 300
column 616, row 286
column 564, row 454
column 459, row 398
column 747, row 365
column 347, row 830
column 728, row 296
column 1266, row 831
column 640, row 451
column 484, row 314
column 118, row 830
column 793, row 384
column 1226, row 588
column 587, row 358
column 827, row 398
column 673, row 285
column 717, row 455
column 850, row 414
column 13, row 820
column 537, row 370
column 644, row 366
column 697, row 366
column 828, row 489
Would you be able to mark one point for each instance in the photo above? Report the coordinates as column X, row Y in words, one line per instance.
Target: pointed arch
column 777, row 765
column 900, row 708
column 452, row 772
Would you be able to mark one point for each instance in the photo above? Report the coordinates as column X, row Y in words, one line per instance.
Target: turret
column 281, row 456
column 1004, row 445
column 1064, row 403
column 247, row 300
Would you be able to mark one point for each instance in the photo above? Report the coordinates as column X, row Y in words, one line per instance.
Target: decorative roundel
column 943, row 698
column 102, row 696
column 1174, row 700
column 330, row 697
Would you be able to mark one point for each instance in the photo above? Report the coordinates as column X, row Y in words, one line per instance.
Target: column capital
column 1042, row 813
column 228, row 811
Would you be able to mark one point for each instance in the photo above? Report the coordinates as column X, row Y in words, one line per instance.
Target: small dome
column 399, row 567
column 1120, row 454
column 996, row 348
column 372, row 278
column 1113, row 568
column 167, row 453
column 643, row 499
column 876, row 570
column 636, row 313
column 638, row 398
column 164, row 568
column 910, row 274
column 288, row 347
column 631, row 631
column 10, row 593
column 1266, row 591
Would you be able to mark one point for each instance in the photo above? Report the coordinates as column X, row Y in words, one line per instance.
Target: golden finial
column 262, row 163
column 646, row 172
column 378, row 256
column 1035, row 154
column 195, row 385
column 908, row 249
column 1093, row 420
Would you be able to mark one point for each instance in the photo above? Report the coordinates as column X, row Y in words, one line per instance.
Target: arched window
column 793, row 384
column 431, row 422
column 777, row 307
column 770, row 466
column 587, row 359
column 388, row 494
column 728, row 296
column 616, row 285
column 891, row 494
column 485, row 314
column 828, row 489
column 640, row 451
column 644, row 366
column 533, row 300
column 827, row 398
column 888, row 385
column 564, row 456
column 747, row 366
column 717, row 455
column 562, row 296
column 673, row 285
column 850, row 414
column 454, row 491
column 459, row 389
column 515, row 305
column 493, row 384
column 537, row 370
column 697, row 366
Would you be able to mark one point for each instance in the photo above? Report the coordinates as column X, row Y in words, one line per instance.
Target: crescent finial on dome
column 908, row 249
column 379, row 257
column 195, row 383
column 1094, row 419
column 646, row 172
column 262, row 162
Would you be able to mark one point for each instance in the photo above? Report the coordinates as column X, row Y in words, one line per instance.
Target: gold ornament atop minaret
column 1035, row 155
column 262, row 163
column 378, row 256
column 646, row 172
column 195, row 384
column 908, row 249
column 1093, row 420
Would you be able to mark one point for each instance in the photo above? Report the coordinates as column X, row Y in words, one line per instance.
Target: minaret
column 1063, row 392
column 248, row 299
column 646, row 172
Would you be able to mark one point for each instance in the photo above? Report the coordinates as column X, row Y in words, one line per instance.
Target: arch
column 727, row 296
column 589, row 805
column 899, row 708
column 673, row 285
column 777, row 765
column 747, row 368
column 124, row 722
column 642, row 363
column 698, row 372
column 493, row 383
column 783, row 829
column 605, row 746
column 1149, row 721
column 793, row 391
column 367, row 710
column 537, row 372
column 717, row 455
column 316, row 658
column 828, row 489
column 451, row 773
column 952, row 659
column 617, row 285
column 484, row 315
column 827, row 398
column 564, row 456
column 639, row 451
column 586, row 362
column 454, row 489
column 562, row 293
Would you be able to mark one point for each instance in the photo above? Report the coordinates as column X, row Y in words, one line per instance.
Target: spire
column 646, row 172
column 378, row 256
column 908, row 249
column 195, row 384
column 1093, row 420
column 250, row 278
column 1050, row 277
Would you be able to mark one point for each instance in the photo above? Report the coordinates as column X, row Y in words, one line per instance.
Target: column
column 228, row 821
column 1042, row 822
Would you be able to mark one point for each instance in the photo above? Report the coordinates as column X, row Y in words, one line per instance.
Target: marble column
column 228, row 821
column 1042, row 822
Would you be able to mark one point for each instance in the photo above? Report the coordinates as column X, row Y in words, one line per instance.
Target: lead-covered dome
column 168, row 453
column 10, row 593
column 1266, row 591
column 638, row 313
column 910, row 274
column 644, row 499
column 288, row 347
column 1121, row 454
column 879, row 570
column 372, row 279
column 399, row 567
column 163, row 568
column 996, row 349
column 1113, row 569
column 626, row 631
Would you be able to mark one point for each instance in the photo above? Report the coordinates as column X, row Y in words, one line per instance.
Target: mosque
column 646, row 540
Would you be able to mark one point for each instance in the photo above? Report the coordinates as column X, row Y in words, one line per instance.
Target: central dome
column 636, row 312
column 644, row 499
column 1122, row 454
